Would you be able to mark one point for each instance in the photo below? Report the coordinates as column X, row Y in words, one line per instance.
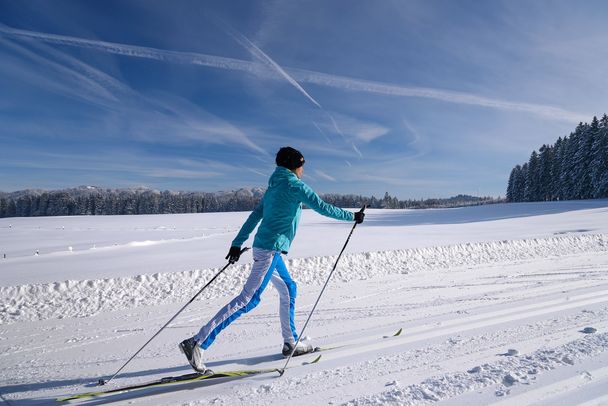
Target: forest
column 89, row 200
column 575, row 167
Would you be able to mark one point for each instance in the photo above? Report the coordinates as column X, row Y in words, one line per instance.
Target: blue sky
column 417, row 98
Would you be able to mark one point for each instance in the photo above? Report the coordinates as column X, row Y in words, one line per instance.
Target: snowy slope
column 494, row 302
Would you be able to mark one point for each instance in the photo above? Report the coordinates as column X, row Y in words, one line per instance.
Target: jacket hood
column 281, row 175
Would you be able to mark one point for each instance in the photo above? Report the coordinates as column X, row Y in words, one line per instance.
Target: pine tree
column 567, row 177
column 3, row 207
column 531, row 192
column 556, row 169
column 575, row 167
column 23, row 206
column 599, row 160
column 523, row 178
column 11, row 208
column 545, row 175
column 583, row 158
column 512, row 186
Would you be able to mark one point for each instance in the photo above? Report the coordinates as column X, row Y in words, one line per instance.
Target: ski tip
column 314, row 361
column 398, row 333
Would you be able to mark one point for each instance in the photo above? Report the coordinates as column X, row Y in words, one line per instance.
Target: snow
column 504, row 304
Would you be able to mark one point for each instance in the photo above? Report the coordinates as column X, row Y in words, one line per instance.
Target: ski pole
column 281, row 371
column 103, row 382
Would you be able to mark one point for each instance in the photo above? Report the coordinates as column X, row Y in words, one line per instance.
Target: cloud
column 175, row 118
column 265, row 175
column 352, row 128
column 59, row 73
column 325, row 176
column 163, row 118
column 296, row 76
column 117, row 161
column 419, row 143
column 370, row 132
column 177, row 173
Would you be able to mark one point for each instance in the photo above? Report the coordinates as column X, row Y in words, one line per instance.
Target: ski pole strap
column 281, row 371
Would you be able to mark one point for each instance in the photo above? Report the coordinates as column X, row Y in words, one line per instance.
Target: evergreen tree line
column 575, row 167
column 97, row 201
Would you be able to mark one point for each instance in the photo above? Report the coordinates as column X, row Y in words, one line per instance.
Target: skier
column 279, row 212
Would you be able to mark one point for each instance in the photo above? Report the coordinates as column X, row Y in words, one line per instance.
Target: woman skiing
column 279, row 212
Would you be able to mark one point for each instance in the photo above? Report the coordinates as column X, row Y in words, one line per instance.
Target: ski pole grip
column 363, row 208
column 244, row 249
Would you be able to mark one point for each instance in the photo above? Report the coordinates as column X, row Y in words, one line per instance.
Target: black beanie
column 289, row 158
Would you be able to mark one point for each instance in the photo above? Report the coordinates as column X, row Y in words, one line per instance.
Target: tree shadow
column 474, row 214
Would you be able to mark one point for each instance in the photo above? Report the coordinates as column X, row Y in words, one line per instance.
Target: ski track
column 462, row 307
column 504, row 374
column 558, row 388
column 89, row 297
column 458, row 346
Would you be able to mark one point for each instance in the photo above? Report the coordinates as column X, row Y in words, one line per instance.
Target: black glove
column 359, row 216
column 234, row 254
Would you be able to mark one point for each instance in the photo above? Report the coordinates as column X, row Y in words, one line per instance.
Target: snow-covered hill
column 503, row 303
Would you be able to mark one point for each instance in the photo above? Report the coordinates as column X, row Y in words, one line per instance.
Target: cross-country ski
column 171, row 380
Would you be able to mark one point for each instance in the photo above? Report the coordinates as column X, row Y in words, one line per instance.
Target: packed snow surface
column 504, row 304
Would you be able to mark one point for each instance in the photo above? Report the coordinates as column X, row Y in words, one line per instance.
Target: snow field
column 486, row 317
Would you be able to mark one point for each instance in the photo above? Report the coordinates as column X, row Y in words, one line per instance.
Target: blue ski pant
column 268, row 266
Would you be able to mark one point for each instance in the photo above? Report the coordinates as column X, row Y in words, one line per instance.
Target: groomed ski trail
column 455, row 319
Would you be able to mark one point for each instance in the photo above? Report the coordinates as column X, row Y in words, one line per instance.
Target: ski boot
column 194, row 353
column 301, row 349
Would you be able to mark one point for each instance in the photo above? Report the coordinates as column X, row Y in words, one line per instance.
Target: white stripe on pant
column 268, row 266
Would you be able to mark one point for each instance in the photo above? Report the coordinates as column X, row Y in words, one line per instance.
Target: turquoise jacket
column 280, row 211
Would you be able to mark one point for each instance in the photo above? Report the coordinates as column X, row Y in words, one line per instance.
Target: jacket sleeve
column 251, row 222
column 312, row 200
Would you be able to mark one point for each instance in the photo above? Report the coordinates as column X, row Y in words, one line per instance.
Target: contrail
column 94, row 86
column 325, row 176
column 358, row 85
column 339, row 131
column 190, row 58
column 356, row 149
column 264, row 58
column 296, row 76
column 322, row 132
column 335, row 124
